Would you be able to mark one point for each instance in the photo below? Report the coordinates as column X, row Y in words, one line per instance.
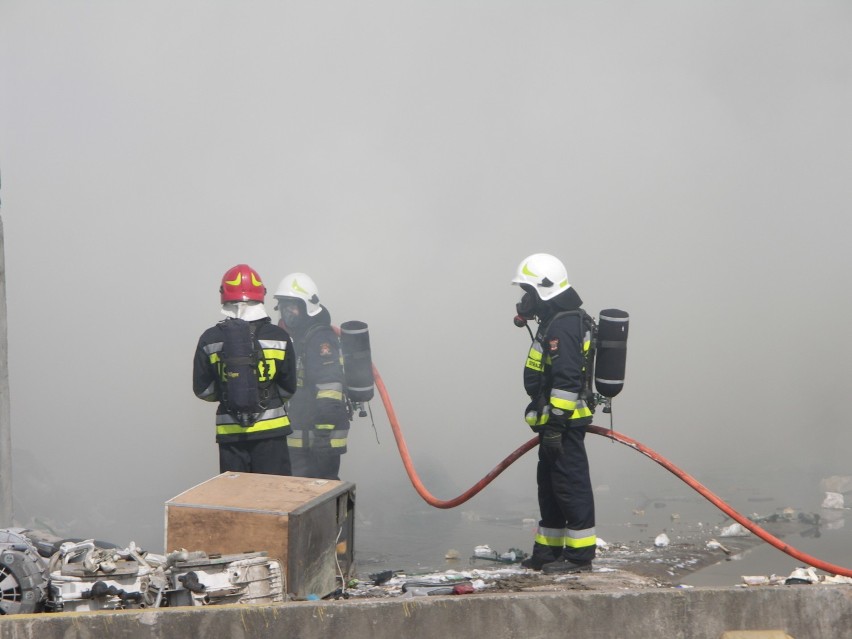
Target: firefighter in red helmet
column 241, row 283
column 246, row 364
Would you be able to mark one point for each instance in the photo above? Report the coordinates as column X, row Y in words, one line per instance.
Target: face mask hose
column 525, row 311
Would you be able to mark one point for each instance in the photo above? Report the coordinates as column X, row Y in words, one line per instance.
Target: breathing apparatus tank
column 357, row 363
column 611, row 357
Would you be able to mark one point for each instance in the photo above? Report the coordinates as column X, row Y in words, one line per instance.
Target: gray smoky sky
column 689, row 162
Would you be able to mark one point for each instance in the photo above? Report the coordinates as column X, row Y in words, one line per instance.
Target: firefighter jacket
column 276, row 376
column 557, row 370
column 318, row 411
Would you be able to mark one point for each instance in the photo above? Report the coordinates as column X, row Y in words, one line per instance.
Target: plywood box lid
column 256, row 492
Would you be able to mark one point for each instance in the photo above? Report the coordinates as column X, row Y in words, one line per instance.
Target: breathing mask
column 292, row 312
column 526, row 308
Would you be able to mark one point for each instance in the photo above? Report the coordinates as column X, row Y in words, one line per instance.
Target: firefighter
column 257, row 444
column 318, row 411
column 555, row 378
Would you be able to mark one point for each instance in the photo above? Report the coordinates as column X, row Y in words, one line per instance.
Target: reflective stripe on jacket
column 555, row 369
column 318, row 412
column 276, row 376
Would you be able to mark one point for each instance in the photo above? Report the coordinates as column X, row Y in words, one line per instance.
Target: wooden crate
column 306, row 524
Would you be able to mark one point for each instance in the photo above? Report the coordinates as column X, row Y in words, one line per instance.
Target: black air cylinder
column 611, row 355
column 357, row 360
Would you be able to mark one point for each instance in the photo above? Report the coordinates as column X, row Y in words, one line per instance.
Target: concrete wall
column 803, row 612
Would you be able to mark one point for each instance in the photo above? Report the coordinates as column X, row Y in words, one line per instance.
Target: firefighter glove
column 551, row 441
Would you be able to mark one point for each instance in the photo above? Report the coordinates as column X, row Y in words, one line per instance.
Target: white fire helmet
column 545, row 273
column 300, row 286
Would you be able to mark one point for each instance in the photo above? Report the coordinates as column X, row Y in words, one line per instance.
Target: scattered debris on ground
column 660, row 563
column 491, row 580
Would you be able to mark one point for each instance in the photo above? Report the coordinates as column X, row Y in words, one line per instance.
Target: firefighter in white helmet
column 556, row 380
column 318, row 411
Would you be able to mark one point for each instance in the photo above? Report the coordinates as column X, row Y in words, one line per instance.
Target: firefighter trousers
column 268, row 456
column 565, row 499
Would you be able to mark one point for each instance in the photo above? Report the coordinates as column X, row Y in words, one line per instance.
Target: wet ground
column 618, row 566
column 703, row 549
column 492, row 580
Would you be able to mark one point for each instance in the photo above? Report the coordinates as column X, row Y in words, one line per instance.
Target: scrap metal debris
column 44, row 574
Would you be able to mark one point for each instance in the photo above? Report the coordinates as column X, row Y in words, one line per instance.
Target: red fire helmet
column 241, row 283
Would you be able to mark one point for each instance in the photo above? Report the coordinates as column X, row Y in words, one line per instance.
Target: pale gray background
column 689, row 162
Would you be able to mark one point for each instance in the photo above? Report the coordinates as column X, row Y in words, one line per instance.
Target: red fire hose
column 409, row 466
column 604, row 432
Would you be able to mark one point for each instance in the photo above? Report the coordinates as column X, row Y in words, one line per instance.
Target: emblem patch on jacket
column 325, row 349
column 554, row 344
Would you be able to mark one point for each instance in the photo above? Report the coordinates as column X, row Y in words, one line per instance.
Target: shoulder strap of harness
column 586, row 323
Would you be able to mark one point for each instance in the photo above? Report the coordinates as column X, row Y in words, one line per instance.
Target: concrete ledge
column 803, row 612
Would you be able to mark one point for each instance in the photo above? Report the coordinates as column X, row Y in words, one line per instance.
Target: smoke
column 689, row 164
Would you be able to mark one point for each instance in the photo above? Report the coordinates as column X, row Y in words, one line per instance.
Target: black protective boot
column 534, row 563
column 541, row 555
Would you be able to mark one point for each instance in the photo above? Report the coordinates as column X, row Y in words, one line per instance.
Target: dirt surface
column 616, row 568
column 600, row 580
column 668, row 565
column 634, row 565
column 512, row 579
